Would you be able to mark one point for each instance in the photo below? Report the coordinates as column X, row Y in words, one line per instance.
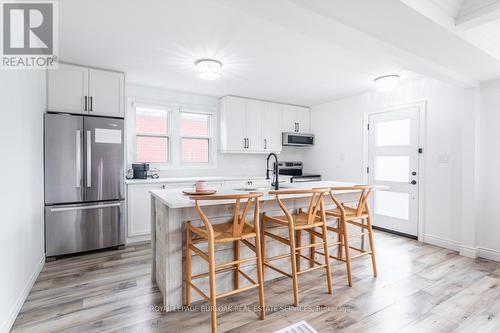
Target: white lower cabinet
column 139, row 206
column 138, row 212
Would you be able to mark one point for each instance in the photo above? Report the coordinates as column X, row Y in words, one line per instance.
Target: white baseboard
column 488, row 253
column 137, row 239
column 442, row 242
column 468, row 251
column 7, row 325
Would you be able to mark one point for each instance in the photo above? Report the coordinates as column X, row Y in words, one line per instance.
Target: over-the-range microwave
column 297, row 139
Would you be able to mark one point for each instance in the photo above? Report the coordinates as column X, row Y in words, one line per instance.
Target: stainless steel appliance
column 297, row 139
column 140, row 170
column 294, row 169
column 84, row 169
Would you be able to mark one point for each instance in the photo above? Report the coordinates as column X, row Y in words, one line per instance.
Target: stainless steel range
column 294, row 169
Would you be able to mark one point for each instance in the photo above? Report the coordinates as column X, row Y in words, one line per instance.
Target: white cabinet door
column 67, row 89
column 253, row 125
column 296, row 119
column 233, row 128
column 303, row 119
column 139, row 208
column 289, row 118
column 271, row 127
column 106, row 93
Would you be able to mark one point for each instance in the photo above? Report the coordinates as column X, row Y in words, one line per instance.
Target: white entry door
column 393, row 151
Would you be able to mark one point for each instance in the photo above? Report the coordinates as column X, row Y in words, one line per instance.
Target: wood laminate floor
column 420, row 288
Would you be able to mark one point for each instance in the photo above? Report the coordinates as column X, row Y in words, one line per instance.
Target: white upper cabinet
column 303, row 119
column 271, row 125
column 77, row 89
column 289, row 118
column 296, row 119
column 68, row 89
column 253, row 126
column 232, row 121
column 106, row 91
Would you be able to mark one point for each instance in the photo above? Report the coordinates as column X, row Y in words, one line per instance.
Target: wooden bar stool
column 356, row 216
column 296, row 223
column 238, row 230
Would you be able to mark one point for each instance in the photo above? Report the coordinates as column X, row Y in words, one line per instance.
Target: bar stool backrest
column 238, row 220
column 316, row 204
column 364, row 191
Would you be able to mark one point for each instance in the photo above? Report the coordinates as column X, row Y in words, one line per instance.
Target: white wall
column 338, row 154
column 22, row 103
column 488, row 236
column 227, row 164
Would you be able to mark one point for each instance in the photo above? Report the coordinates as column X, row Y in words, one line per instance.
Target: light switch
column 443, row 158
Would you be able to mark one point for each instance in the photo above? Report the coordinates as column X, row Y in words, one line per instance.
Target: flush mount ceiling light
column 387, row 83
column 209, row 69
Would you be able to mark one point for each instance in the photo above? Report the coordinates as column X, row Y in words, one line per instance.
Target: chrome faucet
column 275, row 183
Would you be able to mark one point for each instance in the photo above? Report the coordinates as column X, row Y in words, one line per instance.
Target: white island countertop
column 174, row 198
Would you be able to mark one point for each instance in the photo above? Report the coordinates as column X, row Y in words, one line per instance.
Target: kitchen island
column 170, row 209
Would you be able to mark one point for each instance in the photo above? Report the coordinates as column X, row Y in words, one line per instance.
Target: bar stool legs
column 213, row 294
column 327, row 257
column 293, row 261
column 356, row 216
column 372, row 245
column 345, row 245
column 260, row 275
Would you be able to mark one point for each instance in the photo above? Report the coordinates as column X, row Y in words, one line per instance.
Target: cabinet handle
column 265, row 143
column 296, row 130
column 85, row 103
column 91, row 104
column 248, row 143
column 298, row 127
column 244, row 143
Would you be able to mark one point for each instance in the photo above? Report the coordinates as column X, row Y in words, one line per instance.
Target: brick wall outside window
column 195, row 141
column 151, row 126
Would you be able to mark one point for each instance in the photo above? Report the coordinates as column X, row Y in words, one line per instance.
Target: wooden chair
column 356, row 216
column 238, row 231
column 296, row 223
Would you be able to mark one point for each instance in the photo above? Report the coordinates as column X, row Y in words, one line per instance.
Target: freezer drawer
column 83, row 227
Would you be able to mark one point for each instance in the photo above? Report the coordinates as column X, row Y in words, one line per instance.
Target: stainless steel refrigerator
column 84, row 172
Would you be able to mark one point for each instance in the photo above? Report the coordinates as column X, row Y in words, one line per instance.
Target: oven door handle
column 305, row 179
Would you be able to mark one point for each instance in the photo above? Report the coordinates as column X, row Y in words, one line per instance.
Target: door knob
column 413, row 182
column 414, row 173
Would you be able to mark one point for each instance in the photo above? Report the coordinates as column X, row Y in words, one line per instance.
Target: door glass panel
column 393, row 133
column 393, row 204
column 392, row 168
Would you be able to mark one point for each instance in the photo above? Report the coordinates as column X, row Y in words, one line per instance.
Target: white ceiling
column 276, row 50
column 476, row 21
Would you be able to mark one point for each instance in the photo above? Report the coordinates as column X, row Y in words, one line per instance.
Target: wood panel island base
column 170, row 210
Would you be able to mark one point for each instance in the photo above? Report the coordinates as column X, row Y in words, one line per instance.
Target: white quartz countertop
column 193, row 179
column 174, row 198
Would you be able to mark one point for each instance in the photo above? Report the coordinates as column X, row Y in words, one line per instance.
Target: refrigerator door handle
column 66, row 209
column 78, row 158
column 89, row 159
